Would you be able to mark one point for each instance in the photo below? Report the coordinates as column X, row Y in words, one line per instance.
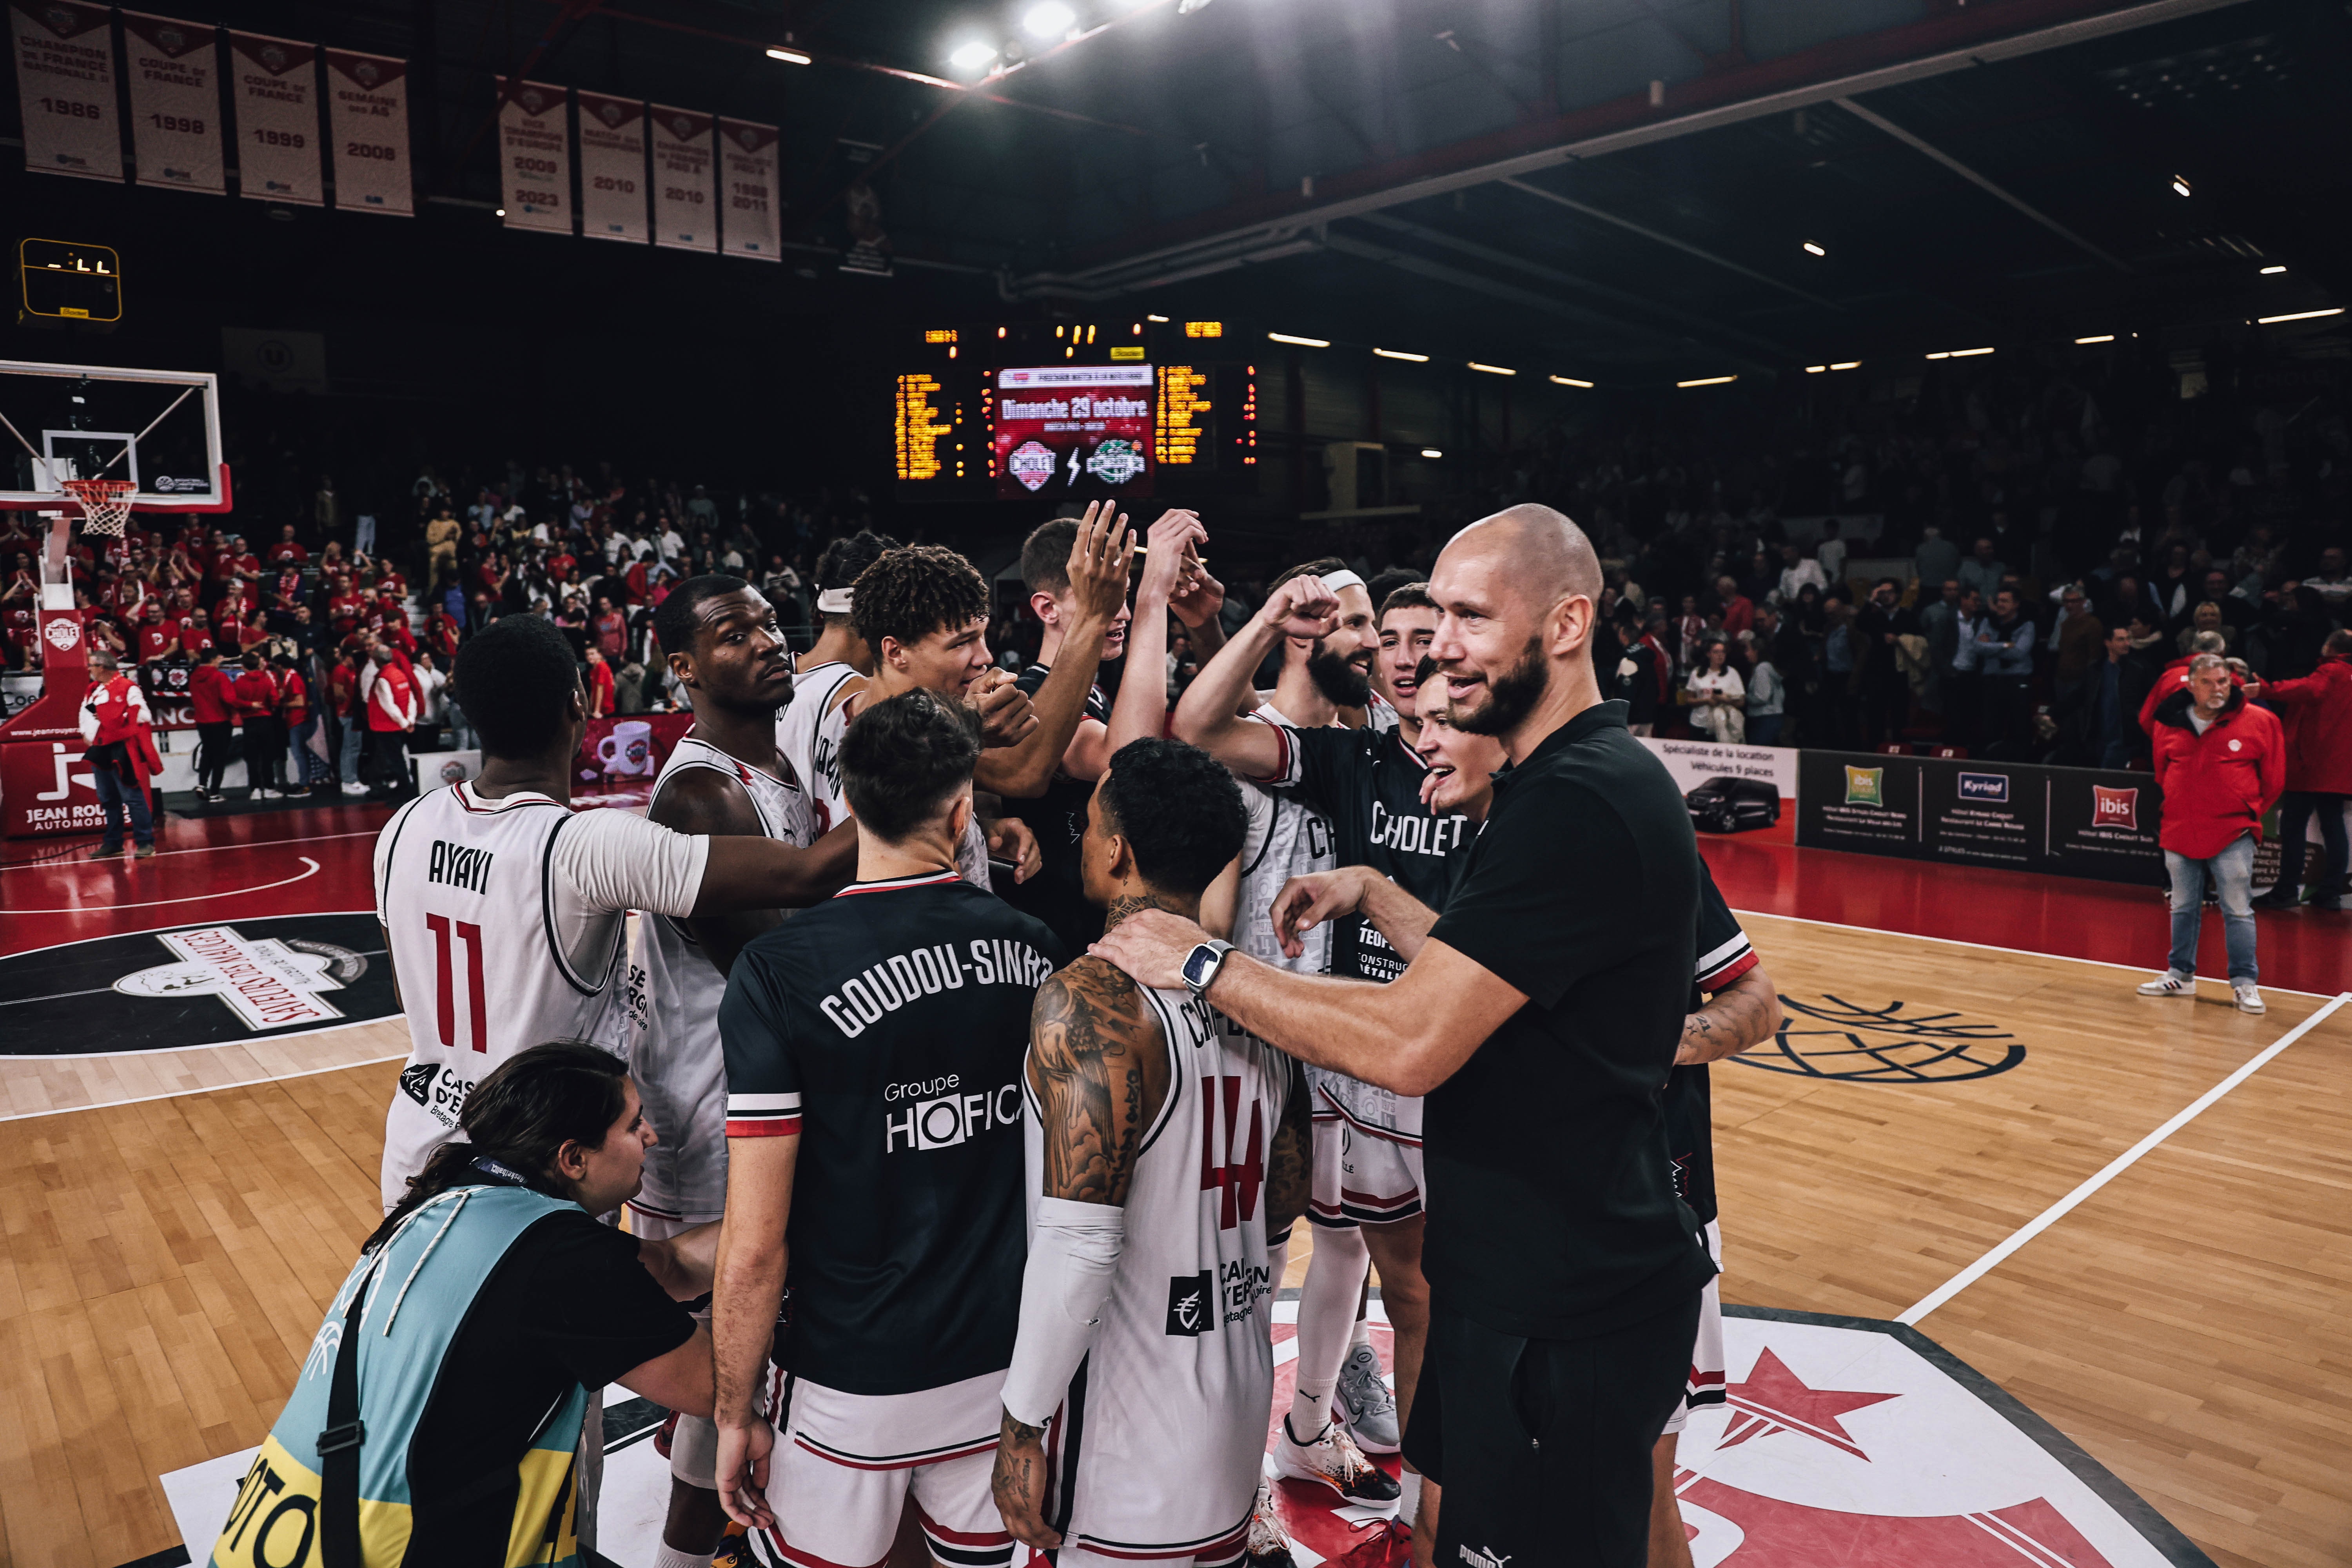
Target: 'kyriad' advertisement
column 2074, row 822
column 1074, row 431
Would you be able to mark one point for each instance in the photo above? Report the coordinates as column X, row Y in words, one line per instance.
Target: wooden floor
column 166, row 1262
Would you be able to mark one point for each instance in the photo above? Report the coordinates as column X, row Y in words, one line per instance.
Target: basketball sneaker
column 1332, row 1459
column 1365, row 1403
column 2170, row 984
column 2249, row 997
column 1269, row 1545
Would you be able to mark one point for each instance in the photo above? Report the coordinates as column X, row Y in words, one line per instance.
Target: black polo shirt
column 1552, row 1211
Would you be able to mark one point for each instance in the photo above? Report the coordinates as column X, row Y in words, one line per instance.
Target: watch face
column 1197, row 964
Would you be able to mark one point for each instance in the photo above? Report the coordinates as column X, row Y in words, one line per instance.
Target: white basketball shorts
column 1706, row 1384
column 1361, row 1178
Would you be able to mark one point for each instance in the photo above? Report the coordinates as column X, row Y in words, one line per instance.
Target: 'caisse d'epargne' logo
column 1032, row 463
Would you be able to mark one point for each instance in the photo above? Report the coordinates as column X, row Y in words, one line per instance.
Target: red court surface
column 318, row 860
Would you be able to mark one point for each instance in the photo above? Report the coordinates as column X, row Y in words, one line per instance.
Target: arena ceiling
column 1628, row 190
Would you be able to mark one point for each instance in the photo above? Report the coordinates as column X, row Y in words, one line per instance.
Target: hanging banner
column 684, row 215
column 535, row 150
column 746, row 188
column 278, row 119
column 65, row 79
column 613, row 168
column 367, row 125
column 175, row 128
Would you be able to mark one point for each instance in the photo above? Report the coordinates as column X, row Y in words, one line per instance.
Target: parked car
column 1734, row 806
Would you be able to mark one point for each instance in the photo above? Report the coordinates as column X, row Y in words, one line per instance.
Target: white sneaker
column 1363, row 1401
column 265, row 794
column 1269, row 1544
column 2249, row 997
column 1333, row 1458
column 2169, row 983
column 355, row 788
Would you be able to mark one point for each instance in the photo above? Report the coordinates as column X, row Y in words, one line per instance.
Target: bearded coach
column 1538, row 1013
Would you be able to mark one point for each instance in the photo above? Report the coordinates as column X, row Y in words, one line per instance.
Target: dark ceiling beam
column 1689, row 320
column 1954, row 40
column 1474, row 283
column 1572, row 204
column 1928, row 148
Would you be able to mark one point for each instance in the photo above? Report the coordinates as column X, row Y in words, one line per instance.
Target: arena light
column 791, row 56
column 2098, row 337
column 1708, row 381
column 1050, row 19
column 1812, row 249
column 1432, row 453
column 972, row 56
column 1493, row 369
column 1846, row 364
column 1161, row 319
column 1302, row 343
column 1816, row 369
column 2300, row 316
column 2273, row 272
column 1400, row 354
column 1569, row 381
column 2179, row 186
column 500, row 213
column 1959, row 353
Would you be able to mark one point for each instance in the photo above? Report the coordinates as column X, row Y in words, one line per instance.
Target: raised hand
column 1006, row 718
column 1100, row 557
column 1302, row 607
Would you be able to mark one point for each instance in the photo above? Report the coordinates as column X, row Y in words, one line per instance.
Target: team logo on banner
column 1866, row 787
column 1032, row 463
column 609, row 112
column 64, row 632
column 273, row 60
column 1115, row 462
column 531, row 99
column 2115, row 807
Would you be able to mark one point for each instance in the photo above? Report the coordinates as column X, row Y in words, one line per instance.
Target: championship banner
column 535, row 151
column 65, row 79
column 684, row 215
column 278, row 119
column 613, row 168
column 1069, row 432
column 367, row 124
column 176, row 129
column 747, row 174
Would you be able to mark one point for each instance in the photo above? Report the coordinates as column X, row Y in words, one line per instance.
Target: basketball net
column 105, row 504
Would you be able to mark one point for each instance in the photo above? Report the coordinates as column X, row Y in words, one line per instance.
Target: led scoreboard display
column 992, row 414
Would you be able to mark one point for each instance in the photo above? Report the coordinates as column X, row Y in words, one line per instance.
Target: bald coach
column 1538, row 1012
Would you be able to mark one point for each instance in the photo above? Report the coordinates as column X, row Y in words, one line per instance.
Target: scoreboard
column 1071, row 411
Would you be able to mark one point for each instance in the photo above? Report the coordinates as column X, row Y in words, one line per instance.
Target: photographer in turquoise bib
column 436, row 1419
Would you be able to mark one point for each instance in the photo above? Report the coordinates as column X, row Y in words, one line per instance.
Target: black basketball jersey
column 1058, row 819
column 1368, row 782
column 1723, row 956
column 886, row 1027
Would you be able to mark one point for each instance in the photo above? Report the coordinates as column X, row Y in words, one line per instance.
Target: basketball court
column 2026, row 1268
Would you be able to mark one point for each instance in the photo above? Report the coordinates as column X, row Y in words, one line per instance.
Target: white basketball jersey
column 674, row 1050
column 1162, row 1435
column 1286, row 838
column 491, row 955
column 815, row 759
column 815, row 755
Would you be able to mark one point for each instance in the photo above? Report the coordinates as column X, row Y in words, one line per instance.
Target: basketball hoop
column 105, row 504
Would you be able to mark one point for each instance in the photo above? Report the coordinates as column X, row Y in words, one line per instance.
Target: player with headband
column 827, row 672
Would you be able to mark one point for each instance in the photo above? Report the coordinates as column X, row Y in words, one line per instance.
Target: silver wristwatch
column 1200, row 965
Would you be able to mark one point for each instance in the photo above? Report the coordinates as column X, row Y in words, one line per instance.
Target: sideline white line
column 2020, row 952
column 207, row 1088
column 191, row 899
column 2116, row 1167
column 65, row 862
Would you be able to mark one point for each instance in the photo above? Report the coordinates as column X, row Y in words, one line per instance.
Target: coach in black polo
column 1539, row 1014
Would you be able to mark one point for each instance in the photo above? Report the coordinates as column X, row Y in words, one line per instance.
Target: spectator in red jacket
column 600, row 684
column 2174, row 678
column 391, row 718
column 121, row 754
column 212, row 703
column 253, row 695
column 2221, row 764
column 2317, row 710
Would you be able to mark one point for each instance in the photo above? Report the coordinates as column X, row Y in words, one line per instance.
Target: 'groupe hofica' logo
column 1866, row 787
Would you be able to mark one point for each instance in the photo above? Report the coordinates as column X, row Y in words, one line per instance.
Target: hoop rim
column 105, row 503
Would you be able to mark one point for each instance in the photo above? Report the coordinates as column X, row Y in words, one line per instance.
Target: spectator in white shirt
column 1831, row 552
column 1796, row 571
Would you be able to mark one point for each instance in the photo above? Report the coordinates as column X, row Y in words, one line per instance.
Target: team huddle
column 992, row 1233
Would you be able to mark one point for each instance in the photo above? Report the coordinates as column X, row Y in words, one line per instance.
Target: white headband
column 1339, row 580
column 833, row 602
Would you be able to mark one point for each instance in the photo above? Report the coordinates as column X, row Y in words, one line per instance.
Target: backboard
column 158, row 429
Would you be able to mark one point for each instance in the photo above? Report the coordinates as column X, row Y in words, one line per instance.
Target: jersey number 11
column 443, row 986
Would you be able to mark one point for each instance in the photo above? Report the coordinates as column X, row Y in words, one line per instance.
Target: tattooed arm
column 1744, row 1014
column 1289, row 1166
column 1099, row 1070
